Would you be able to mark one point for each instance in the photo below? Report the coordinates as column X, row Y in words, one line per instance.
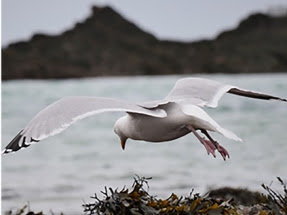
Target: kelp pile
column 138, row 201
column 23, row 211
column 221, row 201
column 277, row 198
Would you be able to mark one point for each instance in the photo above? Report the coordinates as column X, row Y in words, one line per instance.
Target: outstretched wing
column 60, row 115
column 205, row 92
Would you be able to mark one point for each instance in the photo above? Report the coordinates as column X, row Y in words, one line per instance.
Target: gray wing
column 60, row 115
column 204, row 92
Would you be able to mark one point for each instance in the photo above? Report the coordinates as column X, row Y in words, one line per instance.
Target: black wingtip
column 15, row 144
column 255, row 95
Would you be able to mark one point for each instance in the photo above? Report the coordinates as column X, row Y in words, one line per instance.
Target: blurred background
column 136, row 51
column 166, row 20
column 71, row 39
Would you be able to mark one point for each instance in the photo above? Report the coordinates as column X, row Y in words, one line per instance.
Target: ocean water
column 63, row 171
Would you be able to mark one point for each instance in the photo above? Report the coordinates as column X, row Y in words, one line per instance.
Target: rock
column 137, row 201
column 106, row 44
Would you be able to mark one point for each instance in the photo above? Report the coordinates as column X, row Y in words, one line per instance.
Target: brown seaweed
column 138, row 201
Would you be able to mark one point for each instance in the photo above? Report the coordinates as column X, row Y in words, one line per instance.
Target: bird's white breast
column 154, row 129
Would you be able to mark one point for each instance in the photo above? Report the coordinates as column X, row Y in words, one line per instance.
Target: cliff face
column 107, row 44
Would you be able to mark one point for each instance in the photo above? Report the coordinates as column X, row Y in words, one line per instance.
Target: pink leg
column 224, row 153
column 209, row 146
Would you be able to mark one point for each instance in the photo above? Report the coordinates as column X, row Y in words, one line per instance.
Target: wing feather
column 60, row 115
column 205, row 92
column 198, row 91
column 253, row 94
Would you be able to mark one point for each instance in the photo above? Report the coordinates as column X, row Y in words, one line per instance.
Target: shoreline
column 137, row 200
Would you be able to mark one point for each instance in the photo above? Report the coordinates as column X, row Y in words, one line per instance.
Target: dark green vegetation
column 106, row 44
column 138, row 201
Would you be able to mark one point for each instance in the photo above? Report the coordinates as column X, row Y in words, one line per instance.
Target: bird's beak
column 123, row 143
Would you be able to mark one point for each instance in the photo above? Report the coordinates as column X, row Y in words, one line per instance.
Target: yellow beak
column 123, row 143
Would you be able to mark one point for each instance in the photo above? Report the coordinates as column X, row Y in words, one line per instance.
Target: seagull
column 178, row 114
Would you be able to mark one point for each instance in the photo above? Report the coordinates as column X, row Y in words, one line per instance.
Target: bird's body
column 173, row 126
column 163, row 120
column 137, row 126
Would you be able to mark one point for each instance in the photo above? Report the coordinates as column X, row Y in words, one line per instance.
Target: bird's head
column 119, row 129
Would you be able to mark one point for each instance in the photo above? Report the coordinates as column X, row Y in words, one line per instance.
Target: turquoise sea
column 63, row 171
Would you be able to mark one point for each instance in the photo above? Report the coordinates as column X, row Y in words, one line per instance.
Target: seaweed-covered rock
column 240, row 196
column 23, row 211
column 137, row 201
column 221, row 201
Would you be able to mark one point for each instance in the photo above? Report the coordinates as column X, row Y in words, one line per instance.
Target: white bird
column 178, row 114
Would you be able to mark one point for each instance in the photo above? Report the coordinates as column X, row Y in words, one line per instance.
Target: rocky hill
column 106, row 44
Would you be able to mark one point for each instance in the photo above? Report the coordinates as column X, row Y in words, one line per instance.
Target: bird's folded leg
column 209, row 145
column 224, row 153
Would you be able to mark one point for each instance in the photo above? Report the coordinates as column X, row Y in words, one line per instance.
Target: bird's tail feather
column 228, row 134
